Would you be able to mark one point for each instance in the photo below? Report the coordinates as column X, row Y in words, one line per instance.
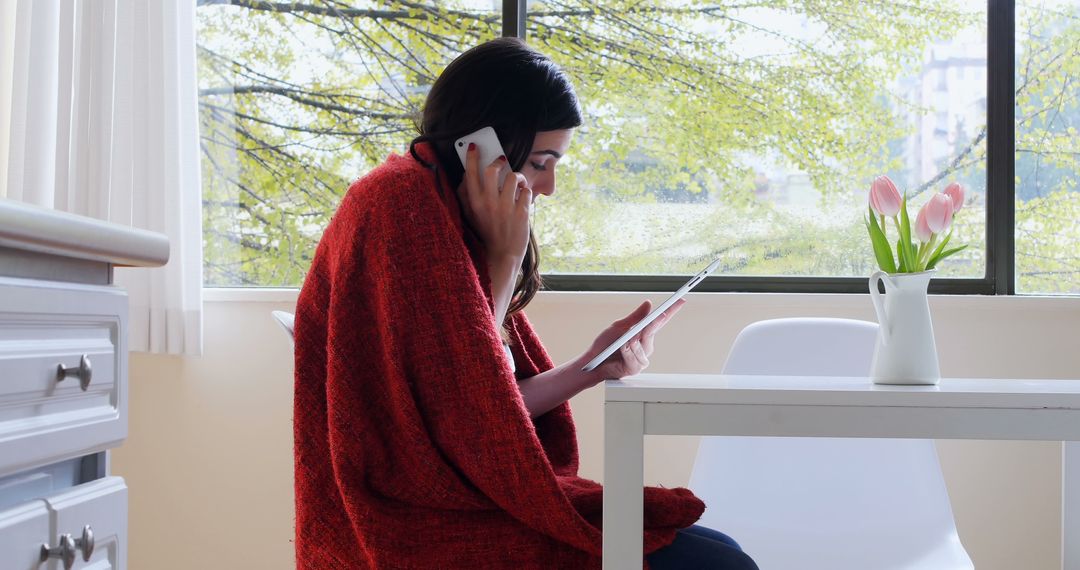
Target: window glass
column 752, row 131
column 1047, row 147
column 748, row 132
column 296, row 100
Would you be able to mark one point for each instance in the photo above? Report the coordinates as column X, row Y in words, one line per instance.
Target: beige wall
column 209, row 458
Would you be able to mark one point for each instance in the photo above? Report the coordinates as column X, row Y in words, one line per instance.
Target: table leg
column 624, row 455
column 1070, row 505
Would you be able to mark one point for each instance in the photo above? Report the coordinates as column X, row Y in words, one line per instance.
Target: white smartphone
column 487, row 142
column 634, row 330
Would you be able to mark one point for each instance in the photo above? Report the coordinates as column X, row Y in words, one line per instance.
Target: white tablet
column 651, row 316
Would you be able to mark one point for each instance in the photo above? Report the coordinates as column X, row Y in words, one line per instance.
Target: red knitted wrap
column 413, row 448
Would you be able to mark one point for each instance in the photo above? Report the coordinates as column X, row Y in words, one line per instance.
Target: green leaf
column 933, row 261
column 881, row 245
column 910, row 261
column 940, row 248
column 925, row 249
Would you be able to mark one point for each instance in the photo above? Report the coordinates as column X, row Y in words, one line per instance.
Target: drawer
column 99, row 506
column 23, row 529
column 53, row 478
column 44, row 325
column 97, row 509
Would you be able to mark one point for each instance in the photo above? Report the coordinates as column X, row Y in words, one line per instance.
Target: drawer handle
column 86, row 543
column 83, row 372
column 65, row 551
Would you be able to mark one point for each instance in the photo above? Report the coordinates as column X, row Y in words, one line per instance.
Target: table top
column 844, row 391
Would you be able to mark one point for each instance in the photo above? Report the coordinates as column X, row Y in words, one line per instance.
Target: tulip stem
column 929, row 246
column 883, row 232
column 900, row 263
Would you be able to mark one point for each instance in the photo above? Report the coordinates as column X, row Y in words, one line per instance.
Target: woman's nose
column 545, row 186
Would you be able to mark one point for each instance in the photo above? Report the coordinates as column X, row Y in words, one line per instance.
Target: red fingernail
column 472, row 146
column 502, row 158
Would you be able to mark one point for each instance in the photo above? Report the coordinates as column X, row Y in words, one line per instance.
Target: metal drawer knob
column 65, row 551
column 86, row 543
column 83, row 372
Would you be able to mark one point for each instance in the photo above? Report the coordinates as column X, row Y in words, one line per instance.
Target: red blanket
column 413, row 448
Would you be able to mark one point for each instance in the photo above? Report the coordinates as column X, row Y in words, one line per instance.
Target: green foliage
column 880, row 244
column 1047, row 148
column 940, row 253
column 297, row 99
column 908, row 261
column 1047, row 235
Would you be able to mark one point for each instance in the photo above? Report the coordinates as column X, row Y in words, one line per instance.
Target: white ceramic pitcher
column 905, row 352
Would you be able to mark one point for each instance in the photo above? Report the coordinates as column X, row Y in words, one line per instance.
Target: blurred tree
column 299, row 98
column 1048, row 148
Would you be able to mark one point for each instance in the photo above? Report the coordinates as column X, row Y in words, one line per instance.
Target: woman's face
column 539, row 169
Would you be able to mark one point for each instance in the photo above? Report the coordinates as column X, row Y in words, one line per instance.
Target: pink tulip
column 922, row 231
column 884, row 198
column 938, row 212
column 956, row 193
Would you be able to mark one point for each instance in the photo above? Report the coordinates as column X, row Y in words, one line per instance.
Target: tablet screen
column 651, row 316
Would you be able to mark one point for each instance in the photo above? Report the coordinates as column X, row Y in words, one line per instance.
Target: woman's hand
column 633, row 357
column 499, row 214
column 549, row 389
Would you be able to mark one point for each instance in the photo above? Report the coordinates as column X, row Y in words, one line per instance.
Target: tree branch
column 294, row 7
column 954, row 164
column 297, row 96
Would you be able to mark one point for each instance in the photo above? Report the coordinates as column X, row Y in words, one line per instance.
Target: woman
column 431, row 428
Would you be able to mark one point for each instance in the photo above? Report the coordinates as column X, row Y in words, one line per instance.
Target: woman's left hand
column 632, row 357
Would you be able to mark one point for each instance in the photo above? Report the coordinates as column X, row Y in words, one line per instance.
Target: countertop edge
column 33, row 228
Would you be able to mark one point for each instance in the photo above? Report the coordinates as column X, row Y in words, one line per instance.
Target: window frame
column 1000, row 275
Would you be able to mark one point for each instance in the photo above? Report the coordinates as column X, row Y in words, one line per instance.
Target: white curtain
column 100, row 119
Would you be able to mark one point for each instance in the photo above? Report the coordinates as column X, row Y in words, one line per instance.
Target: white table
column 714, row 404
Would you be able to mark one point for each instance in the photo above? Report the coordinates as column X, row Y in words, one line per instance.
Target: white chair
column 821, row 503
column 286, row 321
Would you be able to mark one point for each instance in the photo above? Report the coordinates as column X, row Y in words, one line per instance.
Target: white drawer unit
column 63, row 389
column 93, row 518
column 63, row 386
column 23, row 529
column 84, row 527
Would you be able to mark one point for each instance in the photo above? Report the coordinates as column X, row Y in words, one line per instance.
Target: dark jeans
column 698, row 547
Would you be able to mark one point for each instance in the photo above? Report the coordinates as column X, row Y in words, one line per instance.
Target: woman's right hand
column 633, row 357
column 499, row 214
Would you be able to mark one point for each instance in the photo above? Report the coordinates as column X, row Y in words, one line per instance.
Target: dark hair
column 505, row 84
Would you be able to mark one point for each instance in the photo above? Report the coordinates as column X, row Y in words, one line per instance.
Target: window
column 297, row 100
column 753, row 132
column 725, row 129
column 1047, row 148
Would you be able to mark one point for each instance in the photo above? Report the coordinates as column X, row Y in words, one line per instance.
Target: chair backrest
column 804, row 347
column 824, row 503
column 286, row 320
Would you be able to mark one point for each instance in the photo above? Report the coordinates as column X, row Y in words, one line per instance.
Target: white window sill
column 250, row 295
column 1033, row 302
